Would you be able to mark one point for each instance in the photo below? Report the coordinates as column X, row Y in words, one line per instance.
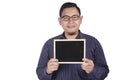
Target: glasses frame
column 67, row 18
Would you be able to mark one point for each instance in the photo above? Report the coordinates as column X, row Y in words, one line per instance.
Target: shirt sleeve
column 101, row 69
column 42, row 64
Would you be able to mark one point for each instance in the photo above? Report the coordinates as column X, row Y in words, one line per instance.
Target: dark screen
column 69, row 51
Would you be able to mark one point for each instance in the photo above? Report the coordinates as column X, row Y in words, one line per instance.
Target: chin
column 71, row 33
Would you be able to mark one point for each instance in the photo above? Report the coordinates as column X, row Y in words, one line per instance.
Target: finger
column 86, row 60
column 53, row 64
column 53, row 68
column 86, row 65
column 83, row 67
column 53, row 60
column 86, row 68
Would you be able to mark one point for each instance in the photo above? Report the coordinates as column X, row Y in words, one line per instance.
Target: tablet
column 69, row 51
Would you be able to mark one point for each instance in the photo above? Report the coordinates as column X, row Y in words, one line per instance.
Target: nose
column 71, row 20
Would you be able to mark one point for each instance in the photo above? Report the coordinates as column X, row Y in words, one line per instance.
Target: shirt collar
column 78, row 36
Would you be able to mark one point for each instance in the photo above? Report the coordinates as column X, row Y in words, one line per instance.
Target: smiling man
column 94, row 67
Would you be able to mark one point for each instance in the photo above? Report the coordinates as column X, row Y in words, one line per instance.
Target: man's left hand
column 87, row 65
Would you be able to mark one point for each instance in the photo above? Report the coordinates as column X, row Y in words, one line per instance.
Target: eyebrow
column 69, row 16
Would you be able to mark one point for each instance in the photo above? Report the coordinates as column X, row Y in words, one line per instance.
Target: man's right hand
column 52, row 65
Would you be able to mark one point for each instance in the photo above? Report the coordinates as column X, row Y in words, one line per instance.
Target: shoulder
column 89, row 38
column 50, row 41
column 92, row 42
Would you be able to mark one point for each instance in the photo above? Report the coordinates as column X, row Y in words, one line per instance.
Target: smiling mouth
column 71, row 26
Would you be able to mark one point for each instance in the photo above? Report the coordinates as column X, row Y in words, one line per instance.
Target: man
column 94, row 66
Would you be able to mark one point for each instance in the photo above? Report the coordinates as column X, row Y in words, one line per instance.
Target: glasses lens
column 75, row 17
column 67, row 18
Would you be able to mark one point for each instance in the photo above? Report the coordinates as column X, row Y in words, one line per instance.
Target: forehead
column 70, row 11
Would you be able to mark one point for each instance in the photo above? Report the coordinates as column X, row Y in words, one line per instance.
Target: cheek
column 79, row 23
column 63, row 24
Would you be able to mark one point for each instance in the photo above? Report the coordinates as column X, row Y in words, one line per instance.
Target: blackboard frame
column 72, row 51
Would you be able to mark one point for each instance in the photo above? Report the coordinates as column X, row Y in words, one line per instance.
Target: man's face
column 70, row 20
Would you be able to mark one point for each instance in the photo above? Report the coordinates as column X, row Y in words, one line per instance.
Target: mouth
column 71, row 26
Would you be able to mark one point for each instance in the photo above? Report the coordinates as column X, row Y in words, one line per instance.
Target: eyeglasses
column 67, row 18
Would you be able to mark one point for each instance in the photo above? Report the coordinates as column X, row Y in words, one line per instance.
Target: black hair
column 68, row 5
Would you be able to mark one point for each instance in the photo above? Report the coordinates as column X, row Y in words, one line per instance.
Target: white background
column 25, row 25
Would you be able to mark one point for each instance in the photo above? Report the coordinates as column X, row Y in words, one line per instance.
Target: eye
column 75, row 17
column 65, row 17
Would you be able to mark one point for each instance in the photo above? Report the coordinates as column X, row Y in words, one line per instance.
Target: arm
column 46, row 65
column 42, row 64
column 100, row 69
column 96, row 69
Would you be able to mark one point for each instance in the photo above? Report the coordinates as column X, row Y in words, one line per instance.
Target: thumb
column 86, row 60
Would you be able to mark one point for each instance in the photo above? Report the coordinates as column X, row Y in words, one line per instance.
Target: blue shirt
column 94, row 52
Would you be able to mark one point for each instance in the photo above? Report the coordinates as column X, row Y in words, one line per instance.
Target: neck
column 71, row 36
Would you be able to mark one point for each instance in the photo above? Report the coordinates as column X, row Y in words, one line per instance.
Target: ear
column 81, row 18
column 59, row 19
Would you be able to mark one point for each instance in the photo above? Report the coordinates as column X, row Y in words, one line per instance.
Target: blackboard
column 69, row 51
